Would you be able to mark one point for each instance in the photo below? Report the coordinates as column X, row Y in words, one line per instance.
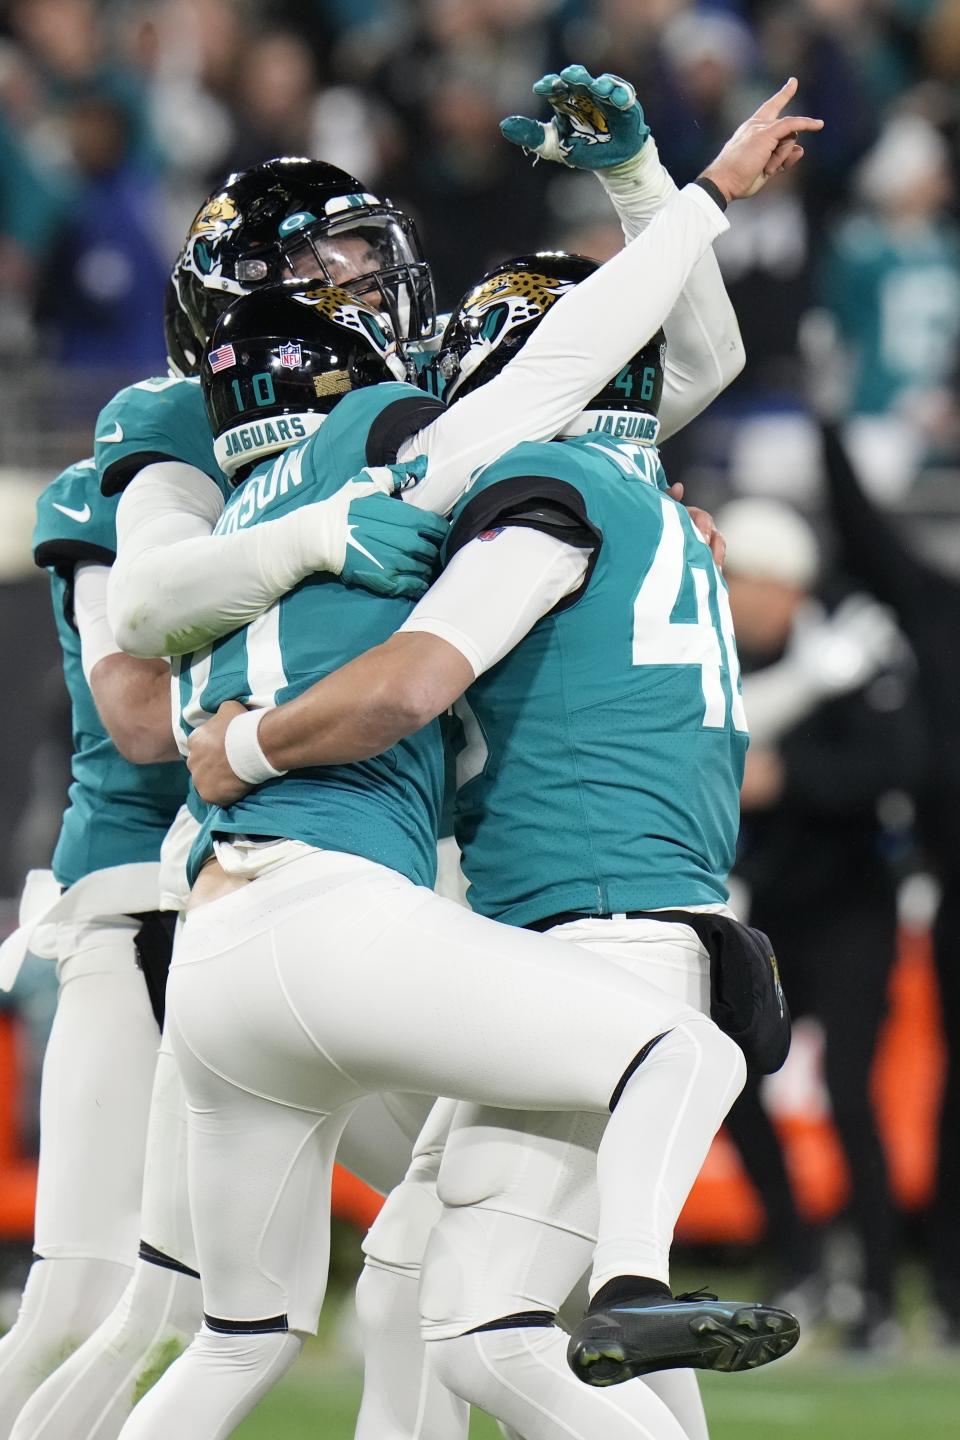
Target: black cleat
column 699, row 1331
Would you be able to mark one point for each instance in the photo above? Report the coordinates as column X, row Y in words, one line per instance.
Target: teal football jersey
column 118, row 813
column 154, row 420
column 387, row 808
column 604, row 754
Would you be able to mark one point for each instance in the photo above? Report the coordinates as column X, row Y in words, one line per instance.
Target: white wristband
column 244, row 752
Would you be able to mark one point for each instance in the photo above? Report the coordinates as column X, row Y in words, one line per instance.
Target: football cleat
column 698, row 1331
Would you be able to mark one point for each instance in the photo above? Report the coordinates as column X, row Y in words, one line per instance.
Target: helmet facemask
column 376, row 256
column 303, row 219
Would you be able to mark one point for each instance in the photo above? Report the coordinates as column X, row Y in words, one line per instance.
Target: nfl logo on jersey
column 290, row 356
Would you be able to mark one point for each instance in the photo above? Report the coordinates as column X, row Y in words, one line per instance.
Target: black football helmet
column 303, row 219
column 281, row 358
column 497, row 316
column 183, row 348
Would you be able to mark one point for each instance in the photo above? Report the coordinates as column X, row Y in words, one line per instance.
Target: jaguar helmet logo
column 504, row 301
column 218, row 217
column 213, row 222
column 342, row 308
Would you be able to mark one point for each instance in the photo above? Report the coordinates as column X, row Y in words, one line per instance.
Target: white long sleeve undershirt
column 175, row 585
column 90, row 614
column 704, row 349
column 521, row 575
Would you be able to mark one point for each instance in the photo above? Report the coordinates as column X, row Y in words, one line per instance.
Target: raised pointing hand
column 763, row 146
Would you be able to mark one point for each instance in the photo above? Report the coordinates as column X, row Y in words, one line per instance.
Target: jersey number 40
column 658, row 640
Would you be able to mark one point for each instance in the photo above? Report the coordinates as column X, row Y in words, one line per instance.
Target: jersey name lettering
column 260, row 490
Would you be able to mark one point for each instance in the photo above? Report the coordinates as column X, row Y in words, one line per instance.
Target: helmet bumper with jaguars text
column 294, row 218
column 281, row 358
column 497, row 316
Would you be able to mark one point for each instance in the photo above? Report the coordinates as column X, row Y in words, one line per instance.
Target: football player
column 100, row 922
column 156, row 419
column 628, row 408
column 274, row 1057
column 90, row 1395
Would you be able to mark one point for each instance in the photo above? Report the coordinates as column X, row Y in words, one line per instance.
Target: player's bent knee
column 398, row 1237
column 471, row 1175
column 722, row 1057
column 696, row 1045
column 462, row 1364
column 451, row 1361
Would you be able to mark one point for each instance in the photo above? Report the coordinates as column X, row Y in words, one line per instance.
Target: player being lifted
column 155, row 423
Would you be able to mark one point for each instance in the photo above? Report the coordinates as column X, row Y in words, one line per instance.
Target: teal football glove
column 597, row 123
column 391, row 548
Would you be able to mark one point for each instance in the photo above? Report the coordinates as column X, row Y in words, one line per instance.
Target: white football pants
column 332, row 977
column 519, row 1224
column 94, row 1101
column 91, row 1394
column 517, row 1233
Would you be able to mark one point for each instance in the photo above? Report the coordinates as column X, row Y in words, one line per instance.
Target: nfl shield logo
column 290, row 356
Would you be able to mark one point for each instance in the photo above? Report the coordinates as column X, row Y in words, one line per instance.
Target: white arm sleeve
column 90, row 613
column 704, row 348
column 583, row 340
column 494, row 591
column 176, row 586
column 638, row 189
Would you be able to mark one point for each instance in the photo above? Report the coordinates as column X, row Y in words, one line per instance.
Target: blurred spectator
column 282, row 111
column 892, row 277
column 927, row 603
column 69, row 42
column 100, row 299
column 707, row 56
column 835, row 730
column 30, row 206
column 476, row 199
column 837, row 49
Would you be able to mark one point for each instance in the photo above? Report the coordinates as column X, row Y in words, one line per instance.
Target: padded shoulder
column 159, row 419
column 536, row 485
column 75, row 522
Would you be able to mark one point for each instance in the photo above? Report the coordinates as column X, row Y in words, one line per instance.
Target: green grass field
column 798, row 1399
column 817, row 1393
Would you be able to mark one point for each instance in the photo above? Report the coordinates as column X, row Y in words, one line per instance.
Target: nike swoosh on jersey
column 111, row 439
column 81, row 516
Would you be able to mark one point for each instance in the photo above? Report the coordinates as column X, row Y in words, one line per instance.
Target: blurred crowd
column 116, row 118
